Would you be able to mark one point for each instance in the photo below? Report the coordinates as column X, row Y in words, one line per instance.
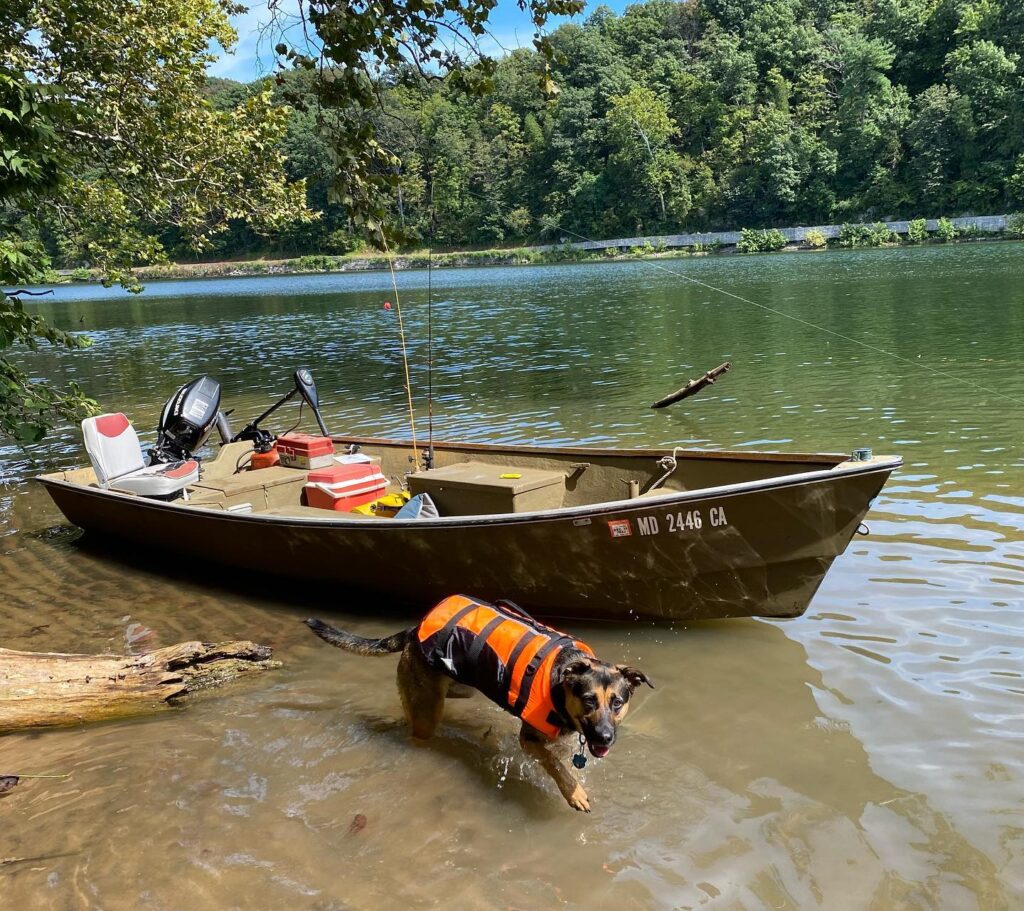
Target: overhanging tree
column 117, row 140
column 107, row 136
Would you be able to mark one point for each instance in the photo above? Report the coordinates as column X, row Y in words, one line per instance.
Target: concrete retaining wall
column 985, row 223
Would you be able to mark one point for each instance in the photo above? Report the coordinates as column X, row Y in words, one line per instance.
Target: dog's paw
column 578, row 800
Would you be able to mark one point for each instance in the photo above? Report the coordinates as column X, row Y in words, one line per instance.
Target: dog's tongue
column 599, row 752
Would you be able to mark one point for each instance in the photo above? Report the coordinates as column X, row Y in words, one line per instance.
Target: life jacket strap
column 473, row 654
column 446, row 631
column 530, row 671
column 556, row 720
column 520, row 647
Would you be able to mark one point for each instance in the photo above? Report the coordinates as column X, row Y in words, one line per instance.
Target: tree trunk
column 45, row 689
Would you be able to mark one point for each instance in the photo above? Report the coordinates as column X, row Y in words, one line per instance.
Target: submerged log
column 48, row 689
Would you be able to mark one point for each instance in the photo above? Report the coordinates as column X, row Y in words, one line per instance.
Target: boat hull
column 757, row 549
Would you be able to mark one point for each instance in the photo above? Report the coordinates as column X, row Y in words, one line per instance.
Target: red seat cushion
column 112, row 425
column 181, row 470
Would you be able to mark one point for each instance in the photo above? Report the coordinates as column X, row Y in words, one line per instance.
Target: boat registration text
column 671, row 523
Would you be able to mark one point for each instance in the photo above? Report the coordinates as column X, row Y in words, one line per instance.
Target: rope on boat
column 405, row 353
column 669, row 464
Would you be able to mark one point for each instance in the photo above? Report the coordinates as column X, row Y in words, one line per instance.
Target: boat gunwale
column 876, row 464
column 677, row 451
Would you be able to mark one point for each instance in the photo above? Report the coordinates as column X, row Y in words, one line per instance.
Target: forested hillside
column 705, row 114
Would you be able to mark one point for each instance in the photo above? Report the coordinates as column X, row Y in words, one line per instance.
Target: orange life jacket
column 501, row 651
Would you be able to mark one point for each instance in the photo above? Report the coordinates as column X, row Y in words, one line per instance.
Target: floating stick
column 694, row 386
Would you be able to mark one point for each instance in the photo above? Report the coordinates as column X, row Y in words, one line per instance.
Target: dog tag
column 579, row 759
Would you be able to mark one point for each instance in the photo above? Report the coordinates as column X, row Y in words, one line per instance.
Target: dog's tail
column 357, row 644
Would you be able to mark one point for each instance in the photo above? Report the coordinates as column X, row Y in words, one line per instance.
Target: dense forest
column 697, row 115
column 117, row 150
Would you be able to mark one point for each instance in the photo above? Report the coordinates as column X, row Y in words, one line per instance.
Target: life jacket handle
column 515, row 608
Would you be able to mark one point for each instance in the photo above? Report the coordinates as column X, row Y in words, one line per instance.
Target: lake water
column 869, row 755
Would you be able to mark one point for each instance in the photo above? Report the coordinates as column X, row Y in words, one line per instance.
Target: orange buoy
column 387, row 305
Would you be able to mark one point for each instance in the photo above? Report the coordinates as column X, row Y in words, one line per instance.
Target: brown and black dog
column 553, row 682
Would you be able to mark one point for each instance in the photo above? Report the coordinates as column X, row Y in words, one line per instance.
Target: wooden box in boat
column 479, row 488
column 727, row 535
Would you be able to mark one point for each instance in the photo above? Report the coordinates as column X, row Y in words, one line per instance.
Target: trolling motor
column 262, row 440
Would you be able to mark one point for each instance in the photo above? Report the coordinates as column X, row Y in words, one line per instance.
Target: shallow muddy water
column 865, row 756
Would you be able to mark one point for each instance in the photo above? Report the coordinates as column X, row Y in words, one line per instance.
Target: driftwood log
column 48, row 689
column 694, row 386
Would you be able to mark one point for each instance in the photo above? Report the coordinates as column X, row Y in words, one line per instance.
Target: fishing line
column 405, row 353
column 797, row 319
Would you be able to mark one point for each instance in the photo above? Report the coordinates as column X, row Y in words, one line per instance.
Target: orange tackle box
column 303, row 450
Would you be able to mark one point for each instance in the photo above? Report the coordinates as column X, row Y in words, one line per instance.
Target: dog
column 552, row 682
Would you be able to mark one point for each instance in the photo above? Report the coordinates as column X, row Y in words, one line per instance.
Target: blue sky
column 253, row 56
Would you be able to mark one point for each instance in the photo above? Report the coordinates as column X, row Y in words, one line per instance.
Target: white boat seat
column 116, row 457
column 159, row 480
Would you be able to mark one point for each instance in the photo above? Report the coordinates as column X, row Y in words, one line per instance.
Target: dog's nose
column 604, row 738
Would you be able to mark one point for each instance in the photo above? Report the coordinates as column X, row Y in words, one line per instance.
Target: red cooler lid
column 332, row 474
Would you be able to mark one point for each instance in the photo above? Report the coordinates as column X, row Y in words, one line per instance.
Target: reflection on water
column 867, row 755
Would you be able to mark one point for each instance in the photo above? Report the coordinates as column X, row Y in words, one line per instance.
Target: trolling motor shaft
column 304, row 386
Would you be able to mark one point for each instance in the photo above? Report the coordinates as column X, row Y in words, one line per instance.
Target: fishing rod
column 405, row 352
column 428, row 459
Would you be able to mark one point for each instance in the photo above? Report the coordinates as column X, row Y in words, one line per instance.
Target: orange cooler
column 344, row 487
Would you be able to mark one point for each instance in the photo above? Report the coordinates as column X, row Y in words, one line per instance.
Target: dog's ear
column 633, row 676
column 576, row 668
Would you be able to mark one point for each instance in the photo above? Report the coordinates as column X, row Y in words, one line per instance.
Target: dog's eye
column 590, row 702
column 616, row 703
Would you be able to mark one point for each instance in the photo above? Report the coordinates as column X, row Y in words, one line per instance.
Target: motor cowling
column 186, row 421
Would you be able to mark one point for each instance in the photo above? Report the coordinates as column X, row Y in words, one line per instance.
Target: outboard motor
column 186, row 421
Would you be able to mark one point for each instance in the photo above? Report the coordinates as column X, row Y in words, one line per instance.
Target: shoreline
column 740, row 243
